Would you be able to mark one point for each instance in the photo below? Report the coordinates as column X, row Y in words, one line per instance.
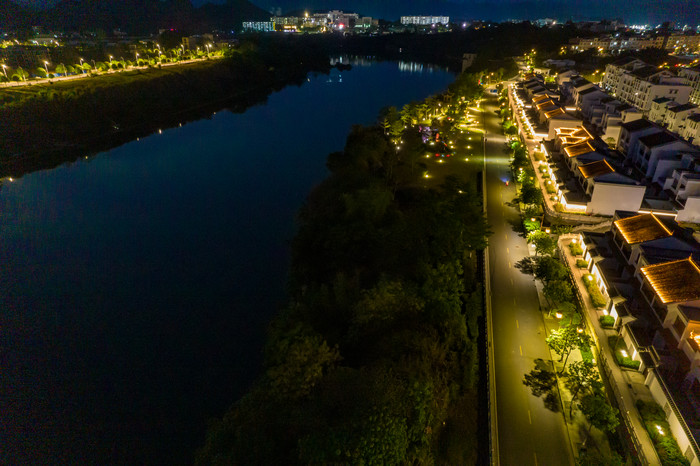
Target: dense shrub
column 594, row 292
column 666, row 446
column 581, row 264
column 540, row 157
column 559, row 207
column 575, row 249
column 375, row 358
column 617, row 344
column 607, row 321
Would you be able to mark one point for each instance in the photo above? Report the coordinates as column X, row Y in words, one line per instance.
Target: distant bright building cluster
column 425, row 20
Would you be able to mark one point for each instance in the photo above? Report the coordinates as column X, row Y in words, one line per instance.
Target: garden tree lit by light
column 582, row 378
column 543, row 242
column 564, row 340
column 598, row 412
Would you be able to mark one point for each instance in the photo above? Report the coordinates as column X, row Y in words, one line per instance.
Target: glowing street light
column 4, row 71
column 46, row 67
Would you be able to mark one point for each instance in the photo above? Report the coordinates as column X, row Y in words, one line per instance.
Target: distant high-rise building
column 425, row 20
column 258, row 26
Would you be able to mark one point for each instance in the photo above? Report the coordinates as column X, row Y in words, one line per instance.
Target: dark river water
column 135, row 286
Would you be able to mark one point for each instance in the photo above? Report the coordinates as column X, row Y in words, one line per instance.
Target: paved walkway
column 627, row 386
column 31, row 82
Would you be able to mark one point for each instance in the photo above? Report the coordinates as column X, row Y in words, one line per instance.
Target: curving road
column 528, row 433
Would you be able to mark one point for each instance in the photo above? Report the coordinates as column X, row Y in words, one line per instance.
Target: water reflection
column 404, row 66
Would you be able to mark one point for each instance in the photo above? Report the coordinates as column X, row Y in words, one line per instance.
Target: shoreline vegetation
column 45, row 125
column 375, row 358
column 49, row 124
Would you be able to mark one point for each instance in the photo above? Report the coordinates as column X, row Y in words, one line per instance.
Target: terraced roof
column 597, row 168
column 579, row 149
column 555, row 112
column 675, row 281
column 642, row 228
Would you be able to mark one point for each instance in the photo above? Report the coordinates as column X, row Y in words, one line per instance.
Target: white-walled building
column 639, row 85
column 691, row 132
column 692, row 75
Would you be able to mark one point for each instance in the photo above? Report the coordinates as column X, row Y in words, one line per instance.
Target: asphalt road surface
column 528, row 433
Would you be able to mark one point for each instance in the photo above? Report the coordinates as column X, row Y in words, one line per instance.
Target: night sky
column 631, row 11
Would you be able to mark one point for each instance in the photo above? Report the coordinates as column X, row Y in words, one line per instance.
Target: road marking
column 529, row 417
column 521, row 353
column 516, row 323
column 511, row 282
column 514, row 303
column 535, row 457
column 509, row 266
column 506, row 237
column 508, row 250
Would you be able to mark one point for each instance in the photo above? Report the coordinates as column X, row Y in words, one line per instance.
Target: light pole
column 137, row 59
column 110, row 62
column 46, row 67
column 5, row 71
column 81, row 66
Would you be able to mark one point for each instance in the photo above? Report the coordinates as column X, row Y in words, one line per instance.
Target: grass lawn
column 465, row 162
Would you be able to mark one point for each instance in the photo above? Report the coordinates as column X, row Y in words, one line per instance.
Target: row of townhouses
column 628, row 149
column 678, row 43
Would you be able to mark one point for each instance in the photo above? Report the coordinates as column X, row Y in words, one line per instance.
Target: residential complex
column 638, row 84
column 619, row 43
column 627, row 152
column 648, row 268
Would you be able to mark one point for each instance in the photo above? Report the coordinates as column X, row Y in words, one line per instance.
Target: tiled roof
column 582, row 132
column 555, row 112
column 657, row 139
column 579, row 149
column 539, row 98
column 593, row 169
column 675, row 281
column 545, row 105
column 642, row 228
column 694, row 117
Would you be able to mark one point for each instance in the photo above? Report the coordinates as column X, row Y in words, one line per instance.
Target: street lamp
column 46, row 67
column 5, row 71
column 81, row 65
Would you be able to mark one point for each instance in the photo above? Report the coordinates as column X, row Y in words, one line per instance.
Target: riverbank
column 374, row 359
column 46, row 125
